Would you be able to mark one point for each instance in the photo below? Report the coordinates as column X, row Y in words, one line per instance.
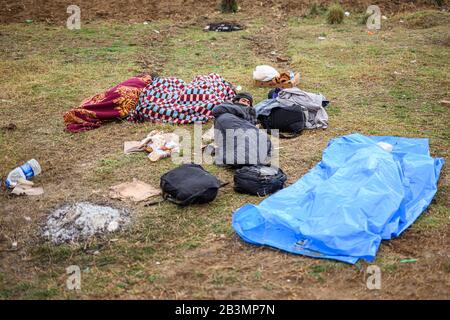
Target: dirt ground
column 54, row 11
column 388, row 83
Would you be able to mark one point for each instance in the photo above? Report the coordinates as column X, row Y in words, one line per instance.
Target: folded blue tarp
column 358, row 195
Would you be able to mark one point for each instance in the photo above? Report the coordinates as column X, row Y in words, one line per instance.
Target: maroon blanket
column 115, row 103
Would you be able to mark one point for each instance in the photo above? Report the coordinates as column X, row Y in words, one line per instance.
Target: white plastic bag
column 265, row 73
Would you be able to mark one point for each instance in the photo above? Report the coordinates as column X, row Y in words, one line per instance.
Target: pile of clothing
column 157, row 144
column 223, row 27
column 288, row 102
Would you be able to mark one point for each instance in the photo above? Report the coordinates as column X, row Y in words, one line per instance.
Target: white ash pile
column 82, row 220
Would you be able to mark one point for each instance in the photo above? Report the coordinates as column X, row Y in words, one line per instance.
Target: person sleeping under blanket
column 239, row 142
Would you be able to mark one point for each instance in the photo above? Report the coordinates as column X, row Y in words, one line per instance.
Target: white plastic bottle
column 26, row 171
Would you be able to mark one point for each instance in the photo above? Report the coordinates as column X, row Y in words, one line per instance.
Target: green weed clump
column 229, row 6
column 316, row 10
column 335, row 14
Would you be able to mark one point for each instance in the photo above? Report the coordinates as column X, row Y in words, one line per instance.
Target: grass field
column 388, row 83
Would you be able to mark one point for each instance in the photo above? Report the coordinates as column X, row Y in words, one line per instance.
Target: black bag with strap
column 289, row 120
column 189, row 184
column 259, row 180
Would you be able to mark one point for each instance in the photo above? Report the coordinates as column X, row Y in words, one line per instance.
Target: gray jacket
column 311, row 104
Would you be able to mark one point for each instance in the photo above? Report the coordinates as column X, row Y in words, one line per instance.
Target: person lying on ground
column 239, row 142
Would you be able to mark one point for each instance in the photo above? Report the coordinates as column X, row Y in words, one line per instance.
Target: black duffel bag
column 289, row 120
column 189, row 184
column 259, row 180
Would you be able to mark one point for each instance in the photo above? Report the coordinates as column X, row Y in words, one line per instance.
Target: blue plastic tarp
column 356, row 196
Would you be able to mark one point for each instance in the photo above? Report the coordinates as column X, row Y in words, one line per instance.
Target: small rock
column 282, row 59
column 10, row 127
column 113, row 226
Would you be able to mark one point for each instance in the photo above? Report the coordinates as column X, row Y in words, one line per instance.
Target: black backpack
column 287, row 119
column 259, row 180
column 189, row 184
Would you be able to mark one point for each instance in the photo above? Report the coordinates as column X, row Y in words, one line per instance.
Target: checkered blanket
column 171, row 100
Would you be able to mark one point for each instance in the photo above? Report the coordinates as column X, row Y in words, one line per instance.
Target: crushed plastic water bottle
column 25, row 172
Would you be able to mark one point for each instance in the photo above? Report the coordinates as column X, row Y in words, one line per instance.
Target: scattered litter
column 25, row 187
column 322, row 38
column 27, row 219
column 408, row 260
column 267, row 76
column 397, row 73
column 347, row 14
column 265, row 73
column 401, row 21
column 135, row 191
column 14, row 244
column 158, row 263
column 238, row 88
column 445, row 102
column 158, row 144
column 145, row 22
column 25, row 172
column 28, row 21
column 223, row 27
column 156, row 31
column 385, row 146
column 384, row 17
column 82, row 220
column 413, row 61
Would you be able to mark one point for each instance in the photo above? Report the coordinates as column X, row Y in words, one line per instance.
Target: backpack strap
column 152, row 203
column 290, row 135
